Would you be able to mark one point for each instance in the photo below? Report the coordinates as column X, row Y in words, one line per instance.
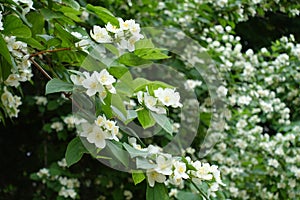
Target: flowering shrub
column 95, row 61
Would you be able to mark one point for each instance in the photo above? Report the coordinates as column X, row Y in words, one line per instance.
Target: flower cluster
column 97, row 83
column 11, row 103
column 68, row 185
column 174, row 170
column 162, row 97
column 20, row 53
column 124, row 36
column 101, row 130
column 65, row 186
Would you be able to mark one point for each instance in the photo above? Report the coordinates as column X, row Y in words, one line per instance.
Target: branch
column 49, row 51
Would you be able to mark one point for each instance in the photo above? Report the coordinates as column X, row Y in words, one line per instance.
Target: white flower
column 11, row 103
column 164, row 164
column 97, row 137
column 100, row 35
column 222, row 91
column 67, row 193
column 111, row 28
column 153, row 176
column 168, row 97
column 105, row 78
column 1, row 23
column 101, row 120
column 150, row 103
column 192, row 84
column 173, row 192
column 203, row 170
column 125, row 25
column 13, row 80
column 214, row 187
column 41, row 100
column 128, row 194
column 62, row 163
column 87, row 128
column 180, row 170
column 70, row 121
column 217, row 175
column 244, row 100
column 273, row 162
column 77, row 79
column 43, row 172
column 93, row 85
column 58, row 126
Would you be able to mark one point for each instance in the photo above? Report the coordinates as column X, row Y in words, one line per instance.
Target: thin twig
column 40, row 68
column 49, row 51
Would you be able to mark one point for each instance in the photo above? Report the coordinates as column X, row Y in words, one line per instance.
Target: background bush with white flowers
column 254, row 46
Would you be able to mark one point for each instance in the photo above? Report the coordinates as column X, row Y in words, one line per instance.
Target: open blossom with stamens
column 101, row 130
column 154, row 176
column 168, row 97
column 124, row 36
column 100, row 35
column 180, row 170
column 92, row 85
column 164, row 164
column 96, row 83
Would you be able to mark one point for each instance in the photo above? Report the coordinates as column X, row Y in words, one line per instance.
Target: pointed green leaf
column 134, row 152
column 104, row 14
column 138, row 177
column 163, row 122
column 159, row 191
column 15, row 27
column 75, row 151
column 133, row 60
column 145, row 118
column 57, row 85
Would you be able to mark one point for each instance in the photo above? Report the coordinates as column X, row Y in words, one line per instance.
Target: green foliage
column 138, row 177
column 159, row 191
column 57, row 85
column 75, row 151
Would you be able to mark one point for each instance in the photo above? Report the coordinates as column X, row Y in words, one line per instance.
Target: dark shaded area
column 259, row 32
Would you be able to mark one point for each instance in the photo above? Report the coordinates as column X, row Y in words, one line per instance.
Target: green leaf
column 145, row 118
column 75, row 151
column 32, row 42
column 37, row 20
column 14, row 26
column 6, row 55
column 159, row 191
column 138, row 177
column 163, row 121
column 104, row 14
column 145, row 43
column 49, row 14
column 72, row 4
column 57, row 85
column 134, row 152
column 183, row 195
column 68, row 40
column 140, row 83
column 151, row 54
column 71, row 13
column 143, row 163
column 53, row 42
column 118, row 107
column 133, row 60
column 118, row 152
